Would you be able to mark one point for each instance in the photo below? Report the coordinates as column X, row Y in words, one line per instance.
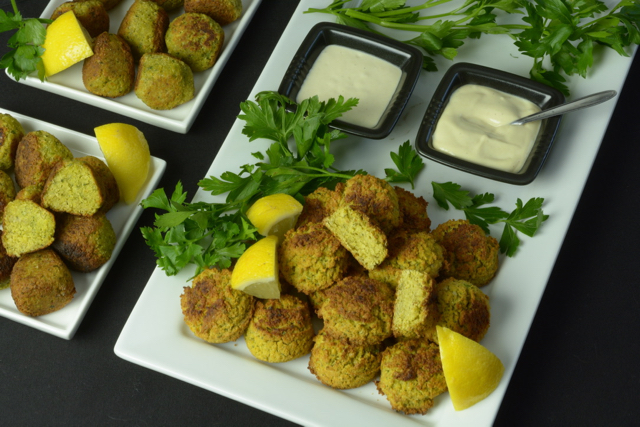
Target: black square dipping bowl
column 407, row 58
column 464, row 73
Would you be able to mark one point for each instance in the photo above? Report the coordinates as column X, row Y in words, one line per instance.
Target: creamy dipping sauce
column 475, row 127
column 352, row 73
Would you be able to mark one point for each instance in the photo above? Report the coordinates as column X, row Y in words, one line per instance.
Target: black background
column 579, row 365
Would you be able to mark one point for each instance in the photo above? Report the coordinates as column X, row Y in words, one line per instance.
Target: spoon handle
column 578, row 104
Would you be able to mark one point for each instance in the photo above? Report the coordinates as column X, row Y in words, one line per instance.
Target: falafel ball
column 37, row 154
column 374, row 197
column 413, row 210
column 339, row 363
column 6, row 265
column 90, row 13
column 411, row 375
column 84, row 242
column 463, row 308
column 110, row 71
column 409, row 250
column 213, row 310
column 358, row 308
column 41, row 283
column 163, row 82
column 11, row 132
column 319, row 204
column 196, row 39
column 144, row 27
column 222, row 11
column 280, row 329
column 310, row 258
column 471, row 255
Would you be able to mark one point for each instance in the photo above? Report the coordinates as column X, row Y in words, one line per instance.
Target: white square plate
column 64, row 322
column 69, row 82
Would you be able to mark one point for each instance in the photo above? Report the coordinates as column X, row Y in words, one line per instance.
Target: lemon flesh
column 256, row 271
column 127, row 154
column 472, row 371
column 274, row 214
column 66, row 44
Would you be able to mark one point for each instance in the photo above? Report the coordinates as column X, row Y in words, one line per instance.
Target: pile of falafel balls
column 166, row 53
column 364, row 267
column 56, row 222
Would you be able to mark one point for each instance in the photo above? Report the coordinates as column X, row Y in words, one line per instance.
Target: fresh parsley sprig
column 526, row 218
column 26, row 43
column 212, row 234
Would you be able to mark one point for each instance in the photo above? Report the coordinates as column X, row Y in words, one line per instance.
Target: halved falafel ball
column 342, row 364
column 463, row 308
column 213, row 310
column 41, row 283
column 411, row 375
column 196, row 39
column 163, row 82
column 27, row 227
column 110, row 71
column 415, row 311
column 280, row 329
column 471, row 254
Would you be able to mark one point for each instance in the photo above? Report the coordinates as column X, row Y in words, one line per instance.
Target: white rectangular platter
column 68, row 83
column 123, row 217
column 156, row 337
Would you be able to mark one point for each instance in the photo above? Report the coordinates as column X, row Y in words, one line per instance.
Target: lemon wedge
column 127, row 154
column 274, row 214
column 472, row 371
column 66, row 44
column 256, row 271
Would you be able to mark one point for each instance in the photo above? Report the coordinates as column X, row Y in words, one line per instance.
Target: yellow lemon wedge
column 274, row 214
column 127, row 154
column 256, row 271
column 66, row 44
column 472, row 371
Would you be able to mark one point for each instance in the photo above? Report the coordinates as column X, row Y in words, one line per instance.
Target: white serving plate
column 156, row 337
column 64, row 322
column 69, row 82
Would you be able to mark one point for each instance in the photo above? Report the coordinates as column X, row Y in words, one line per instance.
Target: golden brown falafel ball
column 144, row 27
column 6, row 265
column 84, row 242
column 196, row 39
column 320, row 204
column 41, row 283
column 37, row 154
column 280, row 330
column 409, row 250
column 222, row 11
column 163, row 82
column 415, row 311
column 213, row 310
column 411, row 375
column 413, row 210
column 310, row 258
column 358, row 308
column 463, row 308
column 110, row 71
column 374, row 197
column 11, row 132
column 90, row 13
column 470, row 254
column 7, row 191
column 342, row 364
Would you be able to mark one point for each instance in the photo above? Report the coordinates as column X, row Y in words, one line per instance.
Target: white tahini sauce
column 352, row 73
column 475, row 127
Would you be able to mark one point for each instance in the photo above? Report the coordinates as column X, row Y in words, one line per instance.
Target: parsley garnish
column 525, row 218
column 562, row 32
column 26, row 50
column 212, row 234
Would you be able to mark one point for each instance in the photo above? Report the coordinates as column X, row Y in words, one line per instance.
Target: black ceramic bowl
column 464, row 73
column 407, row 58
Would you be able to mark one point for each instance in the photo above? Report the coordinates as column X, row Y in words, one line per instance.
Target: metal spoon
column 578, row 104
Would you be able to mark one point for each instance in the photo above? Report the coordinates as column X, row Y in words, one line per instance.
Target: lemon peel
column 256, row 271
column 472, row 371
column 274, row 214
column 66, row 44
column 126, row 151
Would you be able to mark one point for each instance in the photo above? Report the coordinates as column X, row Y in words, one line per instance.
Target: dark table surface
column 578, row 366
